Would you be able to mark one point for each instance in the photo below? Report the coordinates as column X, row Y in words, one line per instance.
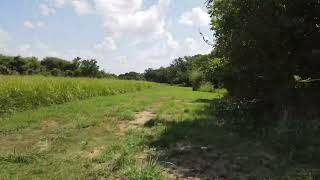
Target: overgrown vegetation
column 268, row 61
column 92, row 139
column 19, row 93
column 264, row 124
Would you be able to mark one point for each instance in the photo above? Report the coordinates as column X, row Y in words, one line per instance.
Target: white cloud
column 33, row 25
column 49, row 7
column 122, row 60
column 46, row 10
column 127, row 17
column 120, row 7
column 144, row 29
column 45, row 49
column 171, row 42
column 195, row 17
column 35, row 48
column 28, row 24
column 121, row 17
column 40, row 24
column 82, row 7
column 162, row 54
column 192, row 46
column 4, row 39
column 58, row 3
column 25, row 50
column 107, row 44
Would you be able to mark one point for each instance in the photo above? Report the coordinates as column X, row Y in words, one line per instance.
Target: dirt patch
column 49, row 124
column 122, row 127
column 43, row 146
column 141, row 157
column 142, row 118
column 27, row 138
column 92, row 154
column 186, row 161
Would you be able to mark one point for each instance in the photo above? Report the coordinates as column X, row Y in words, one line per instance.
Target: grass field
column 19, row 93
column 159, row 133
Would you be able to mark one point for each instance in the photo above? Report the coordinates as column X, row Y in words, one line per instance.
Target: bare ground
column 142, row 118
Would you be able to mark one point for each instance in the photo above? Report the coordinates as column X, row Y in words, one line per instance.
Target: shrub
column 206, row 87
column 56, row 72
column 196, row 78
column 4, row 70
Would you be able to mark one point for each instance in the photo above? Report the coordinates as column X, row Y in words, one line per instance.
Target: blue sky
column 123, row 35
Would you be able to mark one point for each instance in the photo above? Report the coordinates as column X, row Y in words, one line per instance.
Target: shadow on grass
column 199, row 148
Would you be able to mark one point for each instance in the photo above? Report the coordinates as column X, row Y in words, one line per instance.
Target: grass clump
column 129, row 158
column 18, row 93
column 17, row 159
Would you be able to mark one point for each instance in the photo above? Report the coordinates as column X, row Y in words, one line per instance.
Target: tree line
column 194, row 71
column 17, row 65
column 189, row 71
column 185, row 71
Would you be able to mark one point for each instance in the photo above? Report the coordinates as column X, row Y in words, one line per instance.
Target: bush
column 196, row 78
column 235, row 115
column 206, row 87
column 4, row 70
column 56, row 72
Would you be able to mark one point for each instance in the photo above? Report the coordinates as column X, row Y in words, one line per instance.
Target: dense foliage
column 195, row 71
column 269, row 48
column 19, row 93
column 131, row 76
column 13, row 65
column 269, row 54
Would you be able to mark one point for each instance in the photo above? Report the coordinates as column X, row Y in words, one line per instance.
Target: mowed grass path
column 99, row 138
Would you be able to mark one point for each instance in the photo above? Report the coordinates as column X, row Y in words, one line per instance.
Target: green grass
column 95, row 139
column 18, row 93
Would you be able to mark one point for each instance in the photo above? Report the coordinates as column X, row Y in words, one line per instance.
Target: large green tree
column 51, row 63
column 265, row 44
column 89, row 68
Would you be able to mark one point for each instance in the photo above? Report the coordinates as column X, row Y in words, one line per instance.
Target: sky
column 122, row 35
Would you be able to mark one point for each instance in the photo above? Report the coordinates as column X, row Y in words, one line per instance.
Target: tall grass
column 19, row 93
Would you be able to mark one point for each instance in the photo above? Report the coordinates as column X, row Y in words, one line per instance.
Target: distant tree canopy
column 131, row 76
column 51, row 66
column 188, row 71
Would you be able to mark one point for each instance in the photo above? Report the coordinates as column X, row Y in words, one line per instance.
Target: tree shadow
column 199, row 148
